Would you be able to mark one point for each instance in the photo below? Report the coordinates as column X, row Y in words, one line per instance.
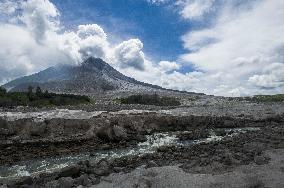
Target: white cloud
column 88, row 30
column 29, row 43
column 239, row 47
column 157, row 1
column 20, row 54
column 8, row 7
column 240, row 54
column 40, row 17
column 167, row 66
column 129, row 54
column 272, row 76
column 195, row 9
column 34, row 41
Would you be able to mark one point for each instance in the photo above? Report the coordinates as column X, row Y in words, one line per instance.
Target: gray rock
column 253, row 147
column 3, row 123
column 83, row 180
column 220, row 132
column 38, row 130
column 15, row 138
column 65, row 182
column 216, row 166
column 70, row 171
column 111, row 133
column 52, row 184
column 260, row 160
column 195, row 134
column 5, row 132
column 94, row 179
column 143, row 183
column 152, row 164
column 27, row 180
column 229, row 123
column 105, row 133
column 117, row 169
column 119, row 133
column 229, row 159
column 102, row 168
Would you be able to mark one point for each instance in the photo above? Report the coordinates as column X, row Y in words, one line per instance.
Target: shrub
column 150, row 100
column 38, row 92
column 29, row 98
column 268, row 98
column 6, row 102
column 2, row 91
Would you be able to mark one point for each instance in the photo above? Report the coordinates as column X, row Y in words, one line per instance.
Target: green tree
column 46, row 94
column 30, row 89
column 30, row 92
column 38, row 92
column 2, row 91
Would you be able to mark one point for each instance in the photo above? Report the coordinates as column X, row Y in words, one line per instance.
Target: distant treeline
column 38, row 98
column 261, row 98
column 268, row 98
column 150, row 100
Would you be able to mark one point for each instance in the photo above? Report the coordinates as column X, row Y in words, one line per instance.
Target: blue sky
column 158, row 26
column 220, row 47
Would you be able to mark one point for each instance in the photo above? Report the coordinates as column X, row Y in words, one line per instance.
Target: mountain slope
column 92, row 76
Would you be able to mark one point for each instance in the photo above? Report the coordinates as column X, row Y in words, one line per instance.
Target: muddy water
column 34, row 167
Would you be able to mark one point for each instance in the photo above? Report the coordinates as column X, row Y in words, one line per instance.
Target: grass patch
column 151, row 100
column 39, row 99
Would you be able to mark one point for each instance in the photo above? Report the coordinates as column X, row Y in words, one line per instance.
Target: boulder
column 220, row 132
column 16, row 138
column 143, row 183
column 111, row 133
column 94, row 180
column 65, row 182
column 102, row 168
column 228, row 159
column 254, row 148
column 70, row 171
column 152, row 164
column 228, row 123
column 260, row 160
column 83, row 180
column 119, row 133
column 194, row 135
column 38, row 130
column 3, row 123
column 5, row 132
column 26, row 180
column 52, row 184
column 104, row 133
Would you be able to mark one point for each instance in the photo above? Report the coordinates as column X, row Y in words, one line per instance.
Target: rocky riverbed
column 224, row 145
column 214, row 158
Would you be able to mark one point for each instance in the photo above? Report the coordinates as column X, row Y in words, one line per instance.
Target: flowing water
column 37, row 166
